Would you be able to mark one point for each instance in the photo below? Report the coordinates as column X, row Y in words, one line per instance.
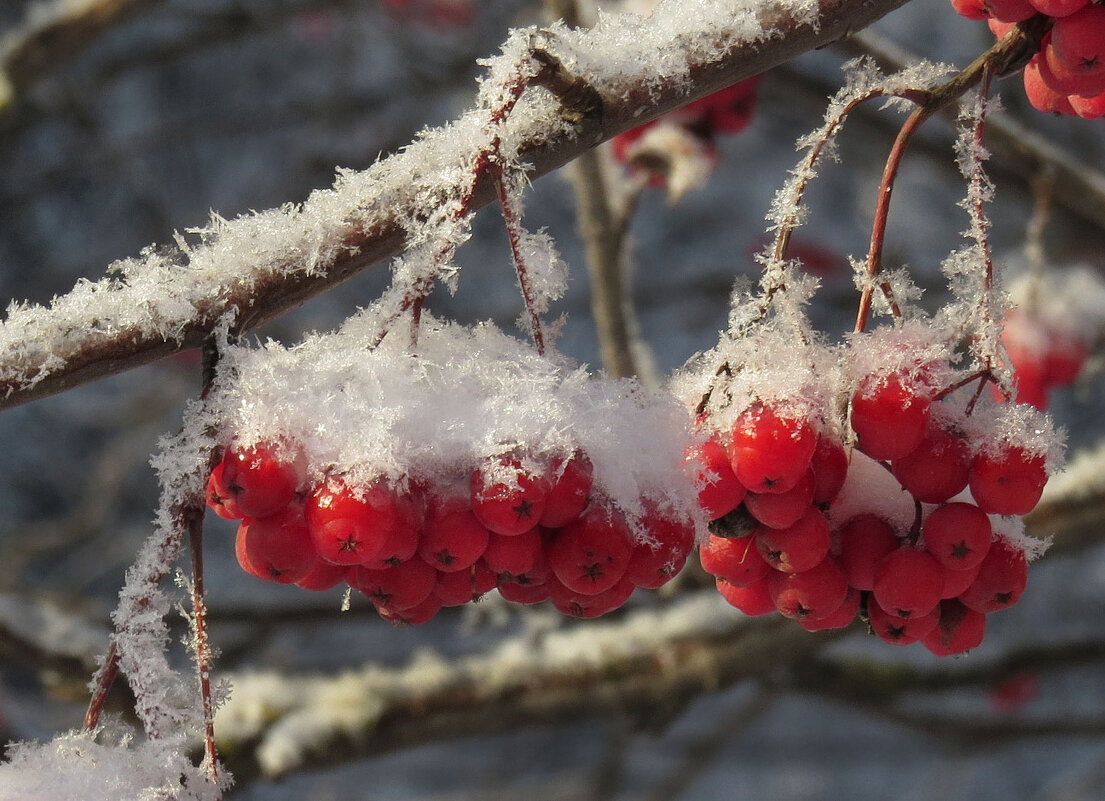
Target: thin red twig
column 514, row 235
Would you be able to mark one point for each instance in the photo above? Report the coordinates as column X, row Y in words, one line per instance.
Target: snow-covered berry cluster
column 878, row 485
column 425, row 480
column 1067, row 76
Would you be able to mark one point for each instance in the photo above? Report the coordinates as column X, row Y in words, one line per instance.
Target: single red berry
column 416, row 615
column 956, row 582
column 1008, row 482
column 1010, row 10
column 960, row 629
column 586, row 605
column 506, row 498
column 1078, row 40
column 909, row 583
column 770, row 452
column 737, row 560
column 958, row 535
column 1066, row 353
column 782, row 509
column 350, row 526
column 754, row 600
column 890, row 415
column 1001, row 579
column 654, row 564
column 1058, row 8
column 403, row 540
column 259, row 483
column 219, row 498
column 514, row 555
column 570, row 494
column 323, row 576
column 1061, row 78
column 795, row 548
column 841, row 618
column 459, row 587
column 452, row 538
column 830, row 469
column 815, row 593
column 395, row 588
column 590, row 555
column 276, row 548
column 719, row 491
column 971, row 9
column 937, row 468
column 865, row 541
column 1088, row 108
column 1040, row 95
column 901, row 630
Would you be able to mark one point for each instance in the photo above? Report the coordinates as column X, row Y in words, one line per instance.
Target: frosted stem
column 514, row 235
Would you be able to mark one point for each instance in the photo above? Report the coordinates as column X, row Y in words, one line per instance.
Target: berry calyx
column 591, row 555
column 909, row 583
column 507, row 498
column 958, row 535
column 350, row 526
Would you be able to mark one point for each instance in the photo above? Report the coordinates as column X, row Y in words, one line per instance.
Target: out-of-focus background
column 175, row 108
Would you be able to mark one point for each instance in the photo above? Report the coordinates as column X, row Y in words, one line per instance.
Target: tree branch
column 282, row 258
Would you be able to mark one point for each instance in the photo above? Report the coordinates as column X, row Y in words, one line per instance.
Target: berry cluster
column 533, row 535
column 887, row 531
column 427, row 481
column 1067, row 76
column 677, row 151
column 1041, row 356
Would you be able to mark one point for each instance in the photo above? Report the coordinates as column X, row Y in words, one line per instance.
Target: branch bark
column 55, row 349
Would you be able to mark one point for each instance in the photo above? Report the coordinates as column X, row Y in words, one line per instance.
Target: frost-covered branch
column 256, row 267
column 645, row 666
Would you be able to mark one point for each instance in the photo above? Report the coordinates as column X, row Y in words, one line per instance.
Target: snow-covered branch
column 258, row 266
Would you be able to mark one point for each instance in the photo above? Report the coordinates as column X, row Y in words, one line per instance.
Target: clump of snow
column 93, row 766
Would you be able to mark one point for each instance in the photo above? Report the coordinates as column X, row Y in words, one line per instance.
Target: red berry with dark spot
column 770, row 452
column 737, row 560
column 1008, row 482
column 937, row 468
column 782, row 509
column 350, row 526
column 901, row 630
column 259, row 483
column 276, row 548
column 754, row 599
column 395, row 588
column 506, row 498
column 841, row 618
column 958, row 535
column 890, row 415
column 815, row 593
column 453, row 538
column 795, row 548
column 591, row 555
column 865, row 541
column 960, row 629
column 514, row 555
column 587, row 605
column 527, row 594
column 1001, row 579
column 654, row 564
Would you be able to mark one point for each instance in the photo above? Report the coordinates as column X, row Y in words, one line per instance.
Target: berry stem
column 514, row 235
column 192, row 519
column 102, row 681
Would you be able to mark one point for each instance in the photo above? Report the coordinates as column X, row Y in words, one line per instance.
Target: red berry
column 323, row 576
column 909, row 583
column 506, row 498
column 1088, row 108
column 1078, row 41
column 351, row 526
column 513, row 555
column 1010, row 10
column 222, row 500
column 960, row 629
column 1058, row 8
column 655, row 564
column 719, row 491
column 452, row 539
column 421, row 613
column 737, row 560
column 958, row 535
column 769, row 452
column 798, row 547
column 1001, row 579
column 900, row 630
column 841, row 618
column 830, row 469
column 889, row 415
column 1040, row 95
column 956, row 582
column 395, row 588
column 754, row 600
column 259, row 483
column 276, row 548
column 937, row 468
column 590, row 555
column 459, row 587
column 971, row 9
column 865, row 541
column 570, row 494
column 587, row 605
column 401, row 542
column 1009, row 482
column 782, row 509
column 815, row 593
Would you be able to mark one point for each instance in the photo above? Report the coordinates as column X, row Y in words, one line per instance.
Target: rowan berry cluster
column 1067, row 76
column 677, row 151
column 442, row 517
column 905, row 526
column 533, row 535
